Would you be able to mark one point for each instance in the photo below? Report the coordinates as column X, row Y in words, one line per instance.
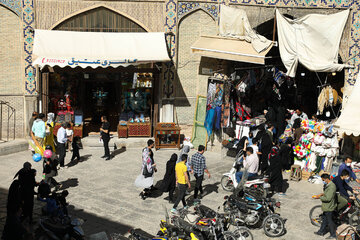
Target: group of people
column 336, row 196
column 178, row 170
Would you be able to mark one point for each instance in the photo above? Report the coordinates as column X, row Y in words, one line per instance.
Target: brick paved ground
column 104, row 193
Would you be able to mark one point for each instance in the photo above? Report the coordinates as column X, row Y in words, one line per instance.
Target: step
column 13, row 146
column 135, row 142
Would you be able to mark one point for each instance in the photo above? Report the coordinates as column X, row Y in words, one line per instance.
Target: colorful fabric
column 209, row 121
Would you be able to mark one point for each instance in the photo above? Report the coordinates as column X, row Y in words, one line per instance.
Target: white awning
column 229, row 49
column 348, row 122
column 95, row 49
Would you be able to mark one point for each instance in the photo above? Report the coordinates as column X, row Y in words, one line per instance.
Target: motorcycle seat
column 255, row 177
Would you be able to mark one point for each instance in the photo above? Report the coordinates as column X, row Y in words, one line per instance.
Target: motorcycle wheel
column 228, row 236
column 315, row 215
column 354, row 219
column 227, row 184
column 273, row 226
column 243, row 233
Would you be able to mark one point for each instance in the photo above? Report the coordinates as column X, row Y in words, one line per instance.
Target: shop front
column 86, row 75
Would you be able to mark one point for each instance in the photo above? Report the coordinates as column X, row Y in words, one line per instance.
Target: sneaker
column 173, row 210
column 186, row 207
column 281, row 194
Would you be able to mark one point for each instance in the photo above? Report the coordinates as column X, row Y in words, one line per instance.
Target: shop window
column 100, row 20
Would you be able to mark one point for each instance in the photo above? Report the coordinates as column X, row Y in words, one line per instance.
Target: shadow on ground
column 71, row 182
column 117, row 152
column 82, row 159
column 94, row 224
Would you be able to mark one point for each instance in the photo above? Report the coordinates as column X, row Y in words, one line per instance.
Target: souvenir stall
column 136, row 102
column 317, row 148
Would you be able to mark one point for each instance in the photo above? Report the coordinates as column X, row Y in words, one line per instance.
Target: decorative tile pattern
column 185, row 8
column 14, row 5
column 171, row 21
column 28, row 18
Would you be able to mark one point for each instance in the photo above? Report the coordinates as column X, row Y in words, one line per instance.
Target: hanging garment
column 312, row 40
column 211, row 93
column 209, row 121
column 235, row 23
column 279, row 77
column 217, row 119
column 225, row 119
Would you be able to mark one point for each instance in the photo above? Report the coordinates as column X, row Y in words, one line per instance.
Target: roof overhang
column 228, row 49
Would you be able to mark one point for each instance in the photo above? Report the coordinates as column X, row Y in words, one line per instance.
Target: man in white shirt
column 298, row 114
column 251, row 163
column 62, row 139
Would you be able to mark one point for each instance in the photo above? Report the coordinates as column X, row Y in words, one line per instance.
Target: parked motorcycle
column 60, row 229
column 253, row 212
column 258, row 184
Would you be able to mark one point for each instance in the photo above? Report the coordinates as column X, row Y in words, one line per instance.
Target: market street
column 103, row 192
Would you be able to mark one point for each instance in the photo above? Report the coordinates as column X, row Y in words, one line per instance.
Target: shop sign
column 79, row 62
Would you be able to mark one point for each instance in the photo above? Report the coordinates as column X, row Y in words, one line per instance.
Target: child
column 69, row 134
column 76, row 148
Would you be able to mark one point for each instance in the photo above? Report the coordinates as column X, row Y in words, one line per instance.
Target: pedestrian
column 198, row 167
column 31, row 121
column 185, row 150
column 146, row 178
column 275, row 171
column 62, row 139
column 49, row 139
column 347, row 165
column 182, row 180
column 298, row 131
column 287, row 154
column 26, row 177
column 169, row 181
column 50, row 171
column 328, row 206
column 265, row 145
column 105, row 136
column 76, row 149
column 38, row 129
column 298, row 114
column 70, row 136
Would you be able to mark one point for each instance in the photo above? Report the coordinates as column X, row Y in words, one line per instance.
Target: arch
column 100, row 6
column 12, row 8
column 196, row 8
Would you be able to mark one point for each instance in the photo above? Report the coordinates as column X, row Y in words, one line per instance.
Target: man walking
column 182, row 180
column 105, row 136
column 198, row 167
column 328, row 205
column 61, row 139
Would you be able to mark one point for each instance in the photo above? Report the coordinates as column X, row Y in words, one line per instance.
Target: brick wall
column 190, row 82
column 11, row 83
column 16, row 102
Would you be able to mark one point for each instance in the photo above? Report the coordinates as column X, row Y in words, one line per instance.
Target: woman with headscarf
column 298, row 131
column 265, row 146
column 148, row 167
column 275, row 170
column 26, row 177
column 169, row 180
column 49, row 139
column 287, row 154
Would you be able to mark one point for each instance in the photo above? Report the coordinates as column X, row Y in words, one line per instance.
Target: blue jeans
column 240, row 174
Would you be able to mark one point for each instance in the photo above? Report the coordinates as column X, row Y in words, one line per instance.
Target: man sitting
column 341, row 186
column 347, row 166
column 251, row 163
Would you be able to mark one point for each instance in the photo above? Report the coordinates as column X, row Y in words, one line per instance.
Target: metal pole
column 1, row 118
column 8, row 124
column 14, row 110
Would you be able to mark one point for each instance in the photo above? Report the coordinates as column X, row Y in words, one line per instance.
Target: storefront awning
column 95, row 49
column 229, row 49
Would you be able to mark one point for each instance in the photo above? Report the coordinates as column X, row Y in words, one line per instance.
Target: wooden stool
column 295, row 173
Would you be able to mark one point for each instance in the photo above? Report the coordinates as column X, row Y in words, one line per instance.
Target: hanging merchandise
column 279, row 76
column 328, row 97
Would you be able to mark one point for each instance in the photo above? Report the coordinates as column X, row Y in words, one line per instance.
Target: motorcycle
column 258, row 184
column 253, row 212
column 209, row 224
column 60, row 229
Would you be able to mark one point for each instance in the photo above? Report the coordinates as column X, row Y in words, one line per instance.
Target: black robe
column 169, row 180
column 275, row 170
column 286, row 156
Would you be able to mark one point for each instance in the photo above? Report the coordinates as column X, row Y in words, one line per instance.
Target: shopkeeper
column 347, row 166
column 298, row 114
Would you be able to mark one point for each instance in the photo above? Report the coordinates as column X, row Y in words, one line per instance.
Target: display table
column 122, row 131
column 78, row 130
column 139, row 129
column 167, row 135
